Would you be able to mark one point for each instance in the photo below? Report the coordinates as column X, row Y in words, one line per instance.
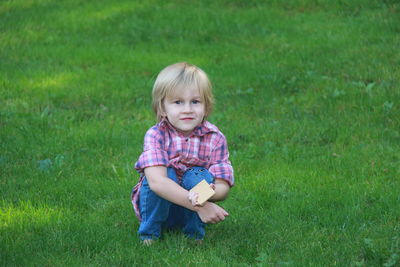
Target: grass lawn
column 307, row 94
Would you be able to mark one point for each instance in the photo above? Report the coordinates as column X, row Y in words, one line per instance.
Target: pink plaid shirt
column 164, row 146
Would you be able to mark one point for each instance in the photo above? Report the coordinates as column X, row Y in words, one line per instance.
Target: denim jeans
column 158, row 213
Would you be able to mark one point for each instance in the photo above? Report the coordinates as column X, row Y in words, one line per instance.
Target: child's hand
column 211, row 213
column 193, row 196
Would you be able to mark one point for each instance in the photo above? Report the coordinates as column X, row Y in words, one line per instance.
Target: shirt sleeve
column 154, row 153
column 220, row 165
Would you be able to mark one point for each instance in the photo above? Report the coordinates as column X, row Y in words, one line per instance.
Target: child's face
column 184, row 109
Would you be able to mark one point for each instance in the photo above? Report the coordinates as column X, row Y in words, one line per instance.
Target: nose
column 187, row 108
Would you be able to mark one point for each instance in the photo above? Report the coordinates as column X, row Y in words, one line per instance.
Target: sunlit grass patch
column 26, row 215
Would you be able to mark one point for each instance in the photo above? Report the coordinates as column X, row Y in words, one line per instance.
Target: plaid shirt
column 164, row 146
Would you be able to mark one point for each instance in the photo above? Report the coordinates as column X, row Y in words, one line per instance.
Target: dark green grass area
column 307, row 93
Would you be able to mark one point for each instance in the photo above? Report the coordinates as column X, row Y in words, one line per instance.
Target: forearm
column 171, row 191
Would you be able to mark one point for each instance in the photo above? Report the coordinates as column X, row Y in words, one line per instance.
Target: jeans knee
column 151, row 206
column 194, row 175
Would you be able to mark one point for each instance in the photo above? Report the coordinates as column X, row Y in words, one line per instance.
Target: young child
column 179, row 152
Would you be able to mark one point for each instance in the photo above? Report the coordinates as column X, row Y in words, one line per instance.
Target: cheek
column 171, row 111
column 202, row 109
column 167, row 108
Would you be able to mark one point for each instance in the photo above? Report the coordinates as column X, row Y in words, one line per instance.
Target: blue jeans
column 156, row 212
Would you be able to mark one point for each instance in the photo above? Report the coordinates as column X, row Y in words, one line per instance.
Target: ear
column 163, row 113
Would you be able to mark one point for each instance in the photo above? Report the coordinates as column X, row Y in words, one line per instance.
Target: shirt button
column 187, row 139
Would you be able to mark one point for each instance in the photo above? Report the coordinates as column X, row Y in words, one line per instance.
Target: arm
column 221, row 190
column 221, row 169
column 166, row 188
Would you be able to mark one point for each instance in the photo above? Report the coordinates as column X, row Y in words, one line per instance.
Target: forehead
column 183, row 90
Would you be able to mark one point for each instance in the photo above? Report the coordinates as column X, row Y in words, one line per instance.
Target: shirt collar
column 204, row 128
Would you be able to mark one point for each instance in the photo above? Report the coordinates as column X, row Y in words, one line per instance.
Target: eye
column 201, row 170
column 195, row 102
column 177, row 102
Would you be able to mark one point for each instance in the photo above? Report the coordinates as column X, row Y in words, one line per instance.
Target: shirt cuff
column 223, row 171
column 151, row 158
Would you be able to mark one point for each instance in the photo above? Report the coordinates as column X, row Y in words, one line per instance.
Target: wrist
column 199, row 208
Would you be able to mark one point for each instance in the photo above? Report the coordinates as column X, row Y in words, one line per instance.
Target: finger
column 192, row 196
column 216, row 218
column 210, row 221
column 224, row 212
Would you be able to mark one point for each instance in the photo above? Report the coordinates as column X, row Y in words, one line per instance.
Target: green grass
column 307, row 94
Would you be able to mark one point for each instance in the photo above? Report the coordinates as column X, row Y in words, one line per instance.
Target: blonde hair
column 181, row 75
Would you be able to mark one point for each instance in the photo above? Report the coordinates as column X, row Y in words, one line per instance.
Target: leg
column 175, row 218
column 193, row 226
column 154, row 210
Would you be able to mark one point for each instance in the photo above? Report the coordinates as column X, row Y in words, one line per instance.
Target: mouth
column 187, row 119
